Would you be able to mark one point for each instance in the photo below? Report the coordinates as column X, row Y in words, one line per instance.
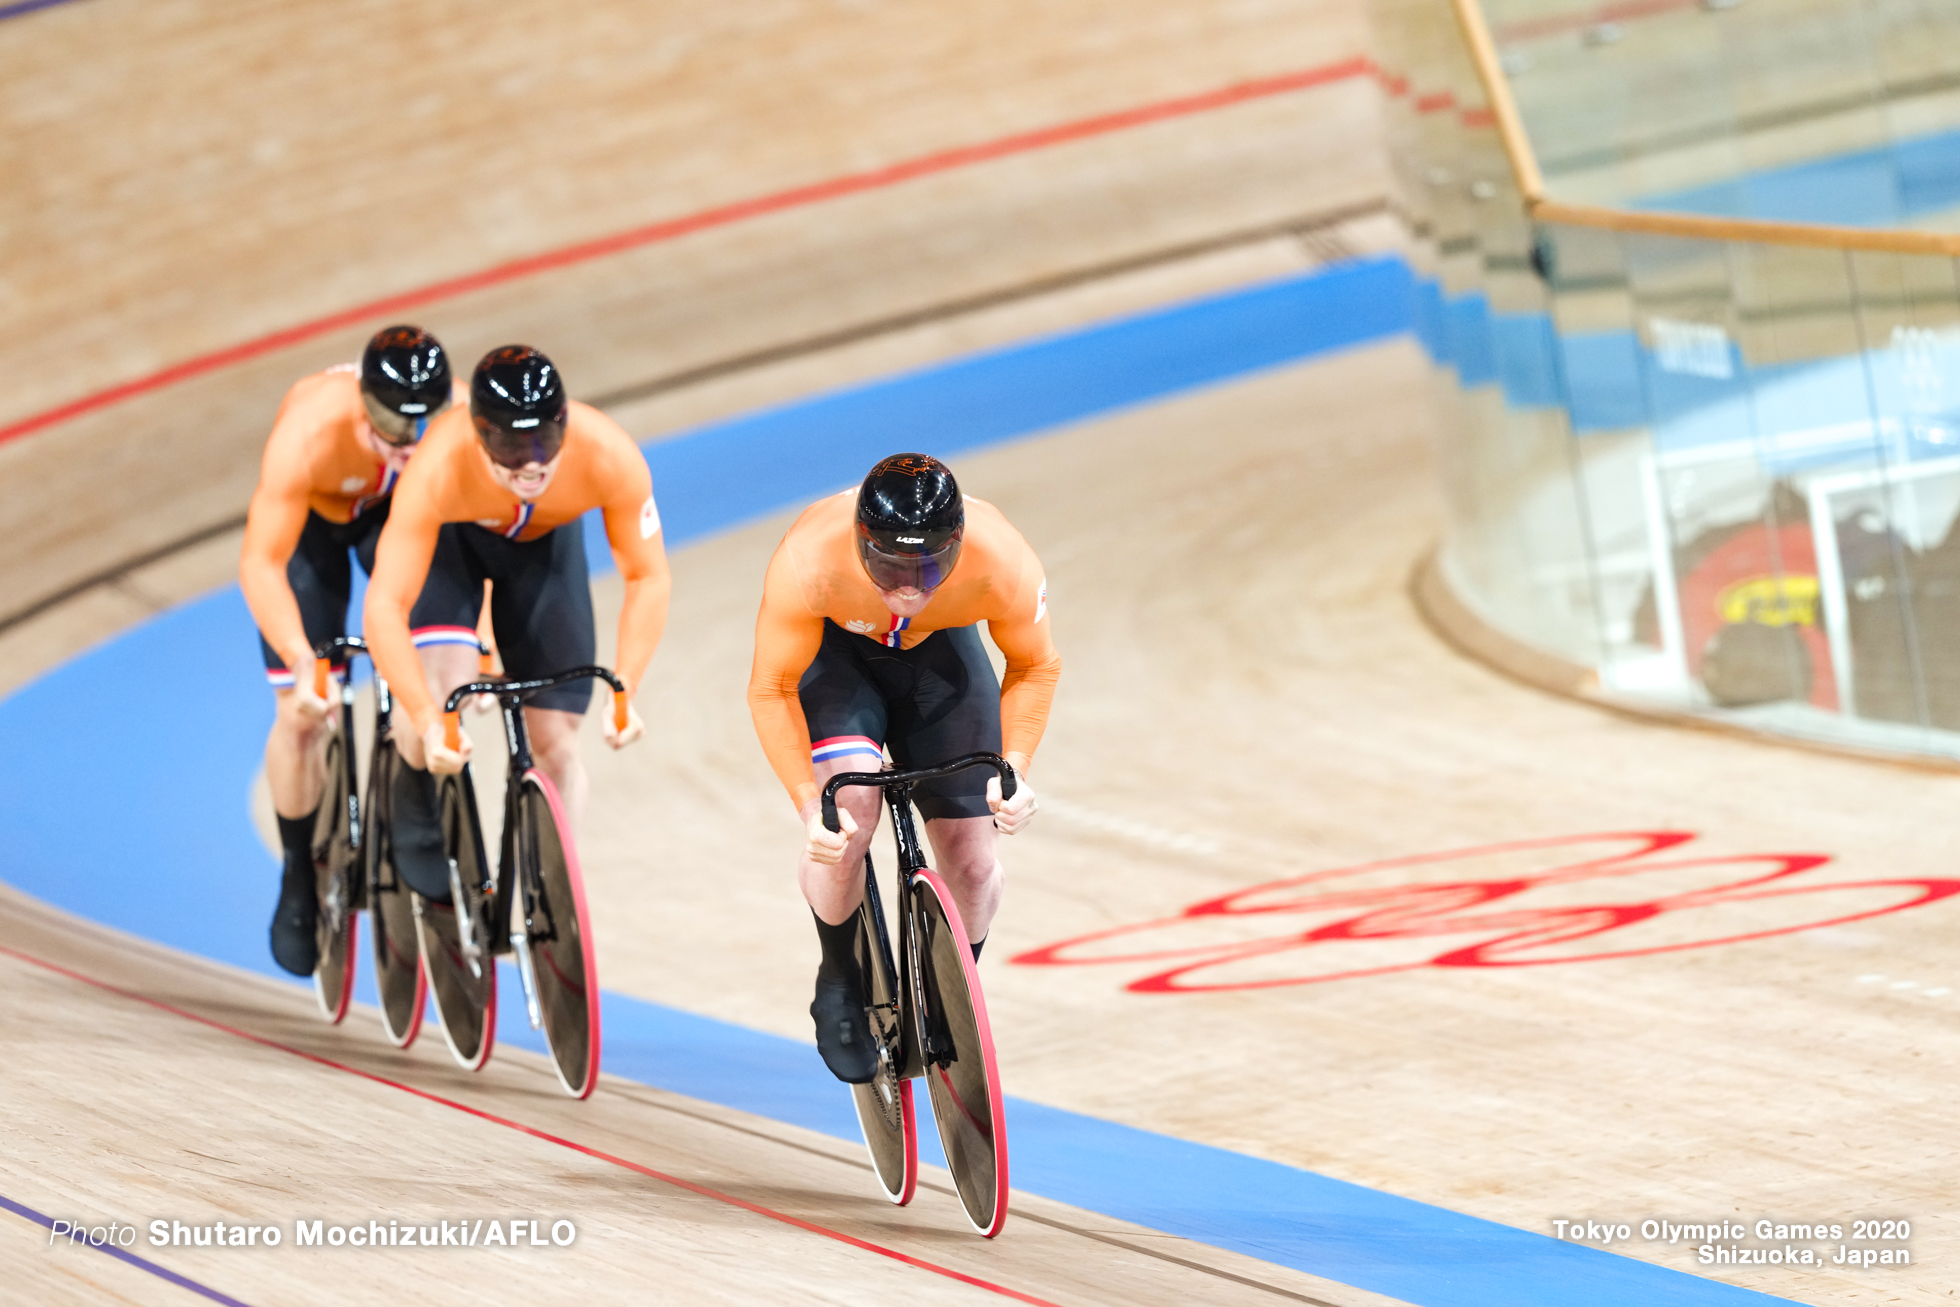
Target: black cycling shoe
column 415, row 832
column 295, row 945
column 844, row 1031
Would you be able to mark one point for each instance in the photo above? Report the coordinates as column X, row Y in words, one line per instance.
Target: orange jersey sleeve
column 787, row 635
column 815, row 575
column 623, row 489
column 1018, row 623
column 314, row 420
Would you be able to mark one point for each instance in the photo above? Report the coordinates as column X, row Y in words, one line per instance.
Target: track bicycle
column 353, row 855
column 927, row 1015
column 337, row 840
column 537, row 877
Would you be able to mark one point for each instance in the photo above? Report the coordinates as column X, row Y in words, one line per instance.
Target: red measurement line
column 674, row 1180
column 719, row 216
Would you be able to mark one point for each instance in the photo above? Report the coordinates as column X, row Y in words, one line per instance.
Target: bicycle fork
column 934, row 1045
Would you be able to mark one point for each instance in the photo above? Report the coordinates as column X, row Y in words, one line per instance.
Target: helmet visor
column 400, row 428
column 892, row 565
column 525, row 441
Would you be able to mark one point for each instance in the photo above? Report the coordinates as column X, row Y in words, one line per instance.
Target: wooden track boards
column 124, row 1111
column 187, row 178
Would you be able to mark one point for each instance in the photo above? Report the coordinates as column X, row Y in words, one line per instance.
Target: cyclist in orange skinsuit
column 867, row 638
column 496, row 493
column 341, row 439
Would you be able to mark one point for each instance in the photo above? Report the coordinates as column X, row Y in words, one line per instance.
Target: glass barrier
column 1825, row 111
column 1720, row 467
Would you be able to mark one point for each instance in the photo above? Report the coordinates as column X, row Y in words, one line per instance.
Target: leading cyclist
column 340, row 442
column 867, row 639
column 496, row 494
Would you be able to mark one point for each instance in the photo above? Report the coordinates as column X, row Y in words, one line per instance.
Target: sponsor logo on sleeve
column 649, row 519
column 1041, row 602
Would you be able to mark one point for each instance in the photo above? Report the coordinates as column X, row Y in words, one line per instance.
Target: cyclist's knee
column 296, row 725
column 965, row 848
column 554, row 738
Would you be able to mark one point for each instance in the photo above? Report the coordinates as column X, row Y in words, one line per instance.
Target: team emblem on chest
column 861, row 626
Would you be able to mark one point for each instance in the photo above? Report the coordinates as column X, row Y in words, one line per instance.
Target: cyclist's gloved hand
column 438, row 756
column 311, row 708
column 826, row 847
column 635, row 728
column 1014, row 814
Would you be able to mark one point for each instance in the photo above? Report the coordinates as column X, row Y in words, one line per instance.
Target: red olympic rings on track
column 1518, row 904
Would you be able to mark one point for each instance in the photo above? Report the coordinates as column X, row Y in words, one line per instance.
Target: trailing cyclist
column 496, row 494
column 338, row 446
column 867, row 639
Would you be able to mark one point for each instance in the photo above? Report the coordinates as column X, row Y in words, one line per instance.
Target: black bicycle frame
column 351, row 645
column 930, row 1042
column 517, row 837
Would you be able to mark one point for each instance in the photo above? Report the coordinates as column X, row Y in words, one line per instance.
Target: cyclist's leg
column 555, row 752
column 846, row 716
column 295, row 748
column 322, row 581
column 964, row 853
column 954, row 709
column 443, row 624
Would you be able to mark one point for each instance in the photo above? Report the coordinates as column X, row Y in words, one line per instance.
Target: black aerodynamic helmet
column 910, row 521
column 518, row 404
column 404, row 382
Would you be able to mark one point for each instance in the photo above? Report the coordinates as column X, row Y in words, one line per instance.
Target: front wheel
column 957, row 1048
column 884, row 1107
column 335, row 867
column 462, row 972
column 398, row 976
column 558, row 935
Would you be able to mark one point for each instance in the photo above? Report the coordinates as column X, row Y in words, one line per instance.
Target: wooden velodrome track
column 1249, row 696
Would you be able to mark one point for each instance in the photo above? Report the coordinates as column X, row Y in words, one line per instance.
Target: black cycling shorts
column 540, row 606
column 323, row 580
column 929, row 704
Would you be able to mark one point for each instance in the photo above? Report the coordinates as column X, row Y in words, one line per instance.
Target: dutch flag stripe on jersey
column 432, row 635
column 843, row 746
column 389, row 476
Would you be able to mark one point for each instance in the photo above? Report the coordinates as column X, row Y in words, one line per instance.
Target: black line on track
column 646, row 1099
column 141, row 1263
column 110, row 575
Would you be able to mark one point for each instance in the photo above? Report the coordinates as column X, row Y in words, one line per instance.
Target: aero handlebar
column 880, row 779
column 452, row 717
column 323, row 660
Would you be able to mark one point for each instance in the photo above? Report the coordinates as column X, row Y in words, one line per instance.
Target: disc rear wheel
column 958, row 1058
column 462, row 978
column 335, row 868
column 558, row 934
column 398, row 974
column 884, row 1107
